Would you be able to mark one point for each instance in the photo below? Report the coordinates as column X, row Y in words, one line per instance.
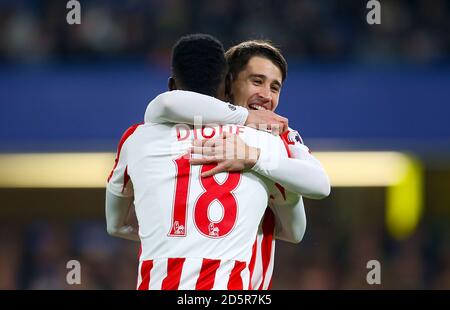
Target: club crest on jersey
column 293, row 137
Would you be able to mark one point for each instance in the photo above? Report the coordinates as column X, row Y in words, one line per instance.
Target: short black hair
column 199, row 64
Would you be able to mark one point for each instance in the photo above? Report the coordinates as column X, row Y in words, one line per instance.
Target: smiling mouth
column 254, row 106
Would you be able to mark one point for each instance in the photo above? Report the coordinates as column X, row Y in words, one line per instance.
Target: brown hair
column 238, row 56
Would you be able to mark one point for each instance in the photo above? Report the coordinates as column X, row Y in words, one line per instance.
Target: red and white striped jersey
column 263, row 252
column 196, row 233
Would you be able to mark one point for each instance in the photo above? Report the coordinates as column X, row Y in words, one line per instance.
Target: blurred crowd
column 333, row 255
column 411, row 31
column 35, row 256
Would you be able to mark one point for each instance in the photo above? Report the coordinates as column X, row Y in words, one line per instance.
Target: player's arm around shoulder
column 297, row 151
column 180, row 106
column 288, row 162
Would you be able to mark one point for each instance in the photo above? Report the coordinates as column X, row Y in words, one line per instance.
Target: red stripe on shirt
column 126, row 178
column 268, row 227
column 285, row 140
column 139, row 252
column 146, row 267
column 281, row 189
column 235, row 282
column 174, row 268
column 125, row 136
column 207, row 274
column 251, row 265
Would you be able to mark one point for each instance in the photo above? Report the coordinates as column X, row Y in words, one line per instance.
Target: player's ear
column 171, row 84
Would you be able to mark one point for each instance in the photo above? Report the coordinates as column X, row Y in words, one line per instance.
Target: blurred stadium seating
column 351, row 87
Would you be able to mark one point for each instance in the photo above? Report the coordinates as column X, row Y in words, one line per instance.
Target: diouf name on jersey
column 185, row 132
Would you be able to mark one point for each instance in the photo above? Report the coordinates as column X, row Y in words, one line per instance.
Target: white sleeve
column 180, row 106
column 119, row 182
column 290, row 217
column 288, row 207
column 303, row 175
column 119, row 194
column 117, row 209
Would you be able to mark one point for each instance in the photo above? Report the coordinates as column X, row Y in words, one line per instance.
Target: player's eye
column 257, row 82
column 275, row 89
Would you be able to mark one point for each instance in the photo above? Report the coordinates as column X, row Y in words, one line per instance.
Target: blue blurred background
column 350, row 86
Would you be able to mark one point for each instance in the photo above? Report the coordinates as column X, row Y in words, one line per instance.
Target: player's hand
column 229, row 151
column 267, row 120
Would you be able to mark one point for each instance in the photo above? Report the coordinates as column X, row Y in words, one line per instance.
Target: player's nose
column 265, row 94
